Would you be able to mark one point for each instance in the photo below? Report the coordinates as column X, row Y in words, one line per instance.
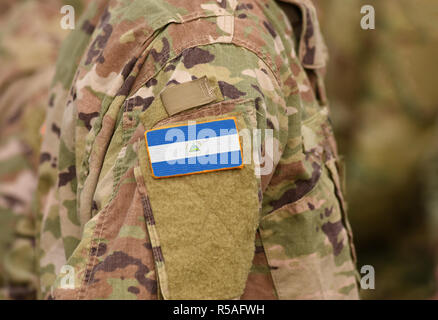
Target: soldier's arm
column 194, row 231
column 201, row 219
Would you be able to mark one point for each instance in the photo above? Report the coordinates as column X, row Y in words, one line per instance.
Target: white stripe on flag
column 181, row 150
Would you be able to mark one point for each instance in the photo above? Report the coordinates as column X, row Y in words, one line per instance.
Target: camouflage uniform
column 30, row 38
column 430, row 176
column 219, row 235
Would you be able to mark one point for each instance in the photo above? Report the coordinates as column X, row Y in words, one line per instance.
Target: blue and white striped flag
column 194, row 148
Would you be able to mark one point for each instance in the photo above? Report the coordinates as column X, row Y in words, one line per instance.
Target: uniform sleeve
column 203, row 211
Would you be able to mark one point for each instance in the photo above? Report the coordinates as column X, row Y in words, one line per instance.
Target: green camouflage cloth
column 108, row 230
column 382, row 88
column 29, row 40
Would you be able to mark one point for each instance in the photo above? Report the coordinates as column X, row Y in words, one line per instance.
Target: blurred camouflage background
column 30, row 36
column 384, row 109
column 384, row 102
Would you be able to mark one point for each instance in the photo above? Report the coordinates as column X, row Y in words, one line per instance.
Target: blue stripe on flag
column 167, row 169
column 188, row 133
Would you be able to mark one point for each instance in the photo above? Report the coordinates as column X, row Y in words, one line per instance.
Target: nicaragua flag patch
column 194, row 148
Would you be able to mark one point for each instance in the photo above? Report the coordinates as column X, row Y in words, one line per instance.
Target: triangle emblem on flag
column 194, row 148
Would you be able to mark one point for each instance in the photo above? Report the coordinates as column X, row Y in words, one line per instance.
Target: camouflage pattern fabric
column 382, row 88
column 97, row 205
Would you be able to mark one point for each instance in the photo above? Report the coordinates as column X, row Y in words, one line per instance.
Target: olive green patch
column 206, row 226
column 188, row 95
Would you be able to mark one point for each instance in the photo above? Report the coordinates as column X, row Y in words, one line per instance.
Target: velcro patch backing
column 187, row 95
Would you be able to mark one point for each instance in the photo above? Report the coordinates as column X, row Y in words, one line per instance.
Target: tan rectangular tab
column 189, row 95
